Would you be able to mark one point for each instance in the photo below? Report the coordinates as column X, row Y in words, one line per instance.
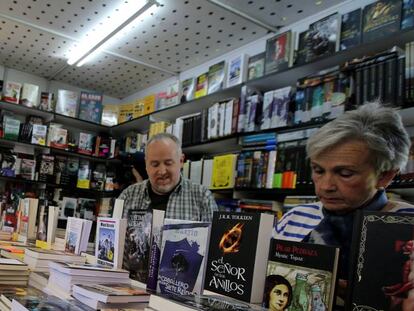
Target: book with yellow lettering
column 126, row 112
column 110, row 115
column 224, row 167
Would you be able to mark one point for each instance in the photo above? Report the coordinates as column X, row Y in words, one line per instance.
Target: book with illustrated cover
column 223, row 171
column 187, row 89
column 86, row 145
column 68, row 209
column 39, row 133
column 407, row 16
column 323, row 37
column 351, row 29
column 67, row 103
column 110, row 115
column 237, row 255
column 303, row 48
column 306, row 271
column 27, row 169
column 281, row 107
column 46, row 101
column 57, row 137
column 11, row 92
column 381, row 19
column 216, row 77
column 42, row 223
column 138, row 244
column 155, row 251
column 77, row 235
column 126, row 112
column 382, row 252
column 90, row 107
column 110, row 241
column 8, row 164
column 72, row 168
column 84, row 174
column 201, row 85
column 87, row 209
column 237, row 70
column 46, row 302
column 183, row 257
column 98, row 177
column 27, row 218
column 29, row 95
column 256, row 66
column 278, row 52
column 46, row 168
column 11, row 127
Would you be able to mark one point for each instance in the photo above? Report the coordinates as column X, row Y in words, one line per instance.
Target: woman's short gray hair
column 380, row 127
column 165, row 136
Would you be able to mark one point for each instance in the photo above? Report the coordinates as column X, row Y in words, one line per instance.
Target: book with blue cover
column 351, row 29
column 183, row 257
column 90, row 108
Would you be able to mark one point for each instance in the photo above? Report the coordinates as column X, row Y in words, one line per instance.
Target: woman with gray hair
column 353, row 159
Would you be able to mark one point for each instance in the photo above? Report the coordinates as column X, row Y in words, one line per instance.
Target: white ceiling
column 37, row 36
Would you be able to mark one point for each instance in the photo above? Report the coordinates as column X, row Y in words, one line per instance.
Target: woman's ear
column 385, row 178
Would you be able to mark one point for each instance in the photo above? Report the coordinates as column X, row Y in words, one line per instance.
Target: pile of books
column 13, row 272
column 64, row 275
column 29, row 303
column 8, row 293
column 5, row 236
column 13, row 252
column 38, row 259
column 111, row 296
column 38, row 280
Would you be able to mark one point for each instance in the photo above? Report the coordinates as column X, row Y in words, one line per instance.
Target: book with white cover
column 77, row 235
column 29, row 96
column 110, row 240
column 27, row 219
column 12, row 264
column 44, row 254
column 237, row 70
column 207, row 172
column 39, row 133
column 98, row 305
column 67, row 103
column 86, row 269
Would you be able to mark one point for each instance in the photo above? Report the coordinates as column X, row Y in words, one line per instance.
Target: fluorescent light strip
column 94, row 40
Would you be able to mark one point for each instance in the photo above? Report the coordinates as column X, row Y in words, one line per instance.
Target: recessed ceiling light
column 319, row 2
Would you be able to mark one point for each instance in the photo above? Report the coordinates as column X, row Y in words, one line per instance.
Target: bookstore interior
column 89, row 86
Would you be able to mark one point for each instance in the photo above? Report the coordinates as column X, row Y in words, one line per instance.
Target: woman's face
column 279, row 297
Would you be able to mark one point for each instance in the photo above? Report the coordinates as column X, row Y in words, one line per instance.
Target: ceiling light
column 105, row 30
column 319, row 2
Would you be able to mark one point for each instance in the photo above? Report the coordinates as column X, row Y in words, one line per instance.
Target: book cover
column 46, row 168
column 45, row 302
column 46, row 101
column 126, row 112
column 381, row 19
column 42, row 222
column 300, row 276
column 110, row 115
column 183, row 257
column 137, row 244
column 68, row 209
column 29, row 95
column 67, row 103
column 407, row 16
column 201, row 85
column 155, row 252
column 110, row 241
column 237, row 255
column 27, row 169
column 98, row 177
column 303, row 48
column 256, row 66
column 84, row 174
column 73, row 235
column 323, row 37
column 216, row 77
column 90, row 107
column 187, row 89
column 11, row 93
column 278, row 52
column 11, row 127
column 223, row 171
column 382, row 261
column 237, row 71
column 351, row 29
column 85, row 143
column 58, row 137
column 72, row 168
column 87, row 209
column 39, row 133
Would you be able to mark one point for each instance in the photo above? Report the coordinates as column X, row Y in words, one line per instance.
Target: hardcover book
column 110, row 240
column 11, row 92
column 201, row 85
column 46, row 168
column 39, row 133
column 85, row 143
column 84, row 174
column 351, row 29
column 126, row 112
column 137, row 244
column 237, row 255
column 256, row 66
column 223, row 171
column 305, row 272
column 110, row 115
column 407, row 16
column 381, row 19
column 155, row 252
column 11, row 127
column 67, row 103
column 278, row 52
column 77, row 235
column 303, row 48
column 90, row 108
column 323, row 37
column 237, row 71
column 183, row 257
column 29, row 95
column 216, row 77
column 382, row 258
column 187, row 90
column 46, row 101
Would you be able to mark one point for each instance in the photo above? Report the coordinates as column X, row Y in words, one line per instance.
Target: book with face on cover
column 279, row 52
column 256, row 66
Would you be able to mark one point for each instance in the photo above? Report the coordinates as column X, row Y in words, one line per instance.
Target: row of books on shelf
column 58, row 170
column 233, row 257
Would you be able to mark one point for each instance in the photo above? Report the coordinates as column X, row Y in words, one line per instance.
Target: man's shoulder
column 134, row 188
column 192, row 186
column 401, row 207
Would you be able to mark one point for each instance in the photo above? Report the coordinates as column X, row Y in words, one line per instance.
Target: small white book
column 77, row 235
column 110, row 240
column 237, row 70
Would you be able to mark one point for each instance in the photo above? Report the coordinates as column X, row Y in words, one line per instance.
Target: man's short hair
column 380, row 127
column 165, row 136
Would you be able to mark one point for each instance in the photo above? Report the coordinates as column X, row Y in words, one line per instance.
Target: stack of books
column 13, row 272
column 5, row 236
column 59, row 244
column 111, row 296
column 45, row 302
column 38, row 280
column 64, row 275
column 8, row 293
column 38, row 259
column 13, row 252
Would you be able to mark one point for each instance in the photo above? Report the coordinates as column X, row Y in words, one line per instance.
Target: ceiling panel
column 112, row 76
column 281, row 12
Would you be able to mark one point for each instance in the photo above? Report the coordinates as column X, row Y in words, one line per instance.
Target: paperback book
column 77, row 235
column 11, row 127
column 183, row 257
column 351, row 29
column 39, row 133
column 110, row 114
column 84, row 174
column 305, row 272
column 155, row 252
column 187, row 89
column 67, row 103
column 237, row 70
column 237, row 255
column 90, row 108
column 46, row 101
column 407, row 16
column 11, row 93
column 256, row 66
column 278, row 52
column 201, row 85
column 29, row 96
column 216, row 77
column 86, row 143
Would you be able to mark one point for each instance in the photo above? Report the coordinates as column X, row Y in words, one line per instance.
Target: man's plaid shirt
column 188, row 201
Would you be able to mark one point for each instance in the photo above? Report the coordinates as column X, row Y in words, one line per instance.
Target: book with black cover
column 351, row 29
column 381, row 19
column 155, row 252
column 382, row 248
column 307, row 272
column 278, row 52
column 407, row 16
column 237, row 255
column 303, row 47
column 137, row 244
